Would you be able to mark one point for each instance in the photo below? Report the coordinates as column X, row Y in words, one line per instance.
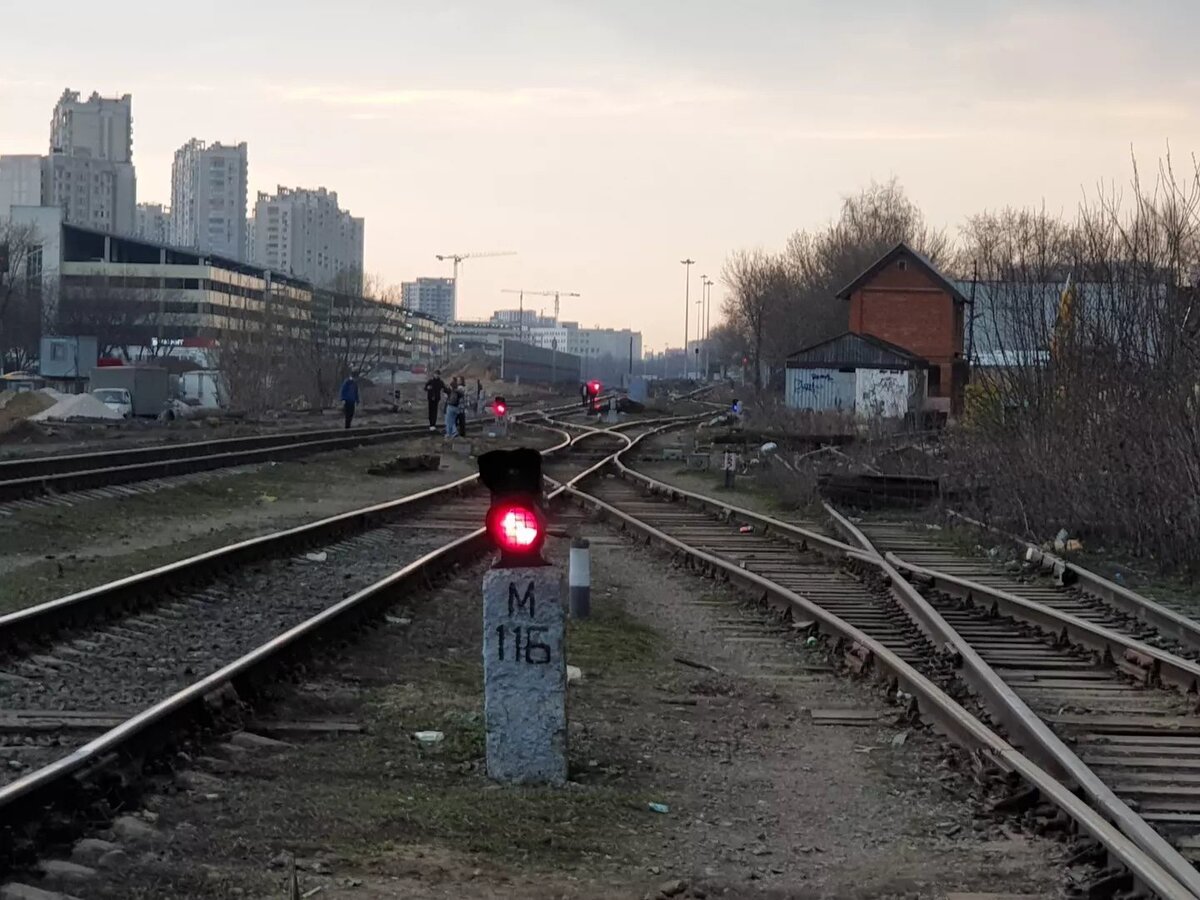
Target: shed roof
column 902, row 249
column 858, row 351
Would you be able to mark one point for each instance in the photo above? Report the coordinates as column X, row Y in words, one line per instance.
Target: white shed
column 857, row 373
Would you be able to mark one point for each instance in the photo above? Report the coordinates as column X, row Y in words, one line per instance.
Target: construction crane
column 459, row 257
column 520, row 308
column 555, row 294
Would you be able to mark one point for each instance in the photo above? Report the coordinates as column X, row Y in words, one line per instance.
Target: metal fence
column 538, row 365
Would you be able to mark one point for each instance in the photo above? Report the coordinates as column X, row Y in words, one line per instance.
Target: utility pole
column 708, row 283
column 687, row 303
column 520, row 310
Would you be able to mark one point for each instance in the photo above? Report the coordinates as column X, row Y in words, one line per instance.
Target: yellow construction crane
column 459, row 257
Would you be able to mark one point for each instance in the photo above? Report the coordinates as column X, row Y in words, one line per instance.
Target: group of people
column 458, row 396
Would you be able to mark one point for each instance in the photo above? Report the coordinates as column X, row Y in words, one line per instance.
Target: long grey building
column 208, row 198
column 306, row 234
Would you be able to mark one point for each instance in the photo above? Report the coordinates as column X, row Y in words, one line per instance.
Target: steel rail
column 60, row 464
column 33, row 793
column 1160, row 665
column 128, row 592
column 1169, row 623
column 1022, row 722
column 59, row 474
column 939, row 708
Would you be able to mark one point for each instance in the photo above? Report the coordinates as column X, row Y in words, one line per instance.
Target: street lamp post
column 687, row 303
column 708, row 283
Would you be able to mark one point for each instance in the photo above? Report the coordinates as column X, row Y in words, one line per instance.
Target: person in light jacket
column 349, row 397
column 454, row 401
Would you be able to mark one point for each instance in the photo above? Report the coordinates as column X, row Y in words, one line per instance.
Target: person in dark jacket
column 434, row 388
column 349, row 396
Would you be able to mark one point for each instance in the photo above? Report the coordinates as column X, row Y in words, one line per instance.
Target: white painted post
column 579, row 579
column 524, row 676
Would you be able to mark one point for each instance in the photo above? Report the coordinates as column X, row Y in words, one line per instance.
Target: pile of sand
column 16, row 407
column 72, row 407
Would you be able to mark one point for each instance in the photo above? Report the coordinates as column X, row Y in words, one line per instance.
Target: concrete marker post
column 525, row 675
column 579, row 579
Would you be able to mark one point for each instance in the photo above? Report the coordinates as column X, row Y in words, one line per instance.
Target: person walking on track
column 434, row 388
column 349, row 396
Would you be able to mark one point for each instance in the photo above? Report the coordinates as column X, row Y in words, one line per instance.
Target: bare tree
column 1087, row 416
column 351, row 332
column 817, row 264
column 128, row 318
column 727, row 345
column 760, row 288
column 20, row 294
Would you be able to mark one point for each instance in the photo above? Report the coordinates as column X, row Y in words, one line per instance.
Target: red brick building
column 903, row 299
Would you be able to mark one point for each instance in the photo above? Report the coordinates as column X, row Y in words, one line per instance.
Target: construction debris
column 77, row 407
column 424, row 462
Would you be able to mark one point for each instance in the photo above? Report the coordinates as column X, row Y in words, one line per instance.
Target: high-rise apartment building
column 98, row 127
column 20, row 182
column 89, row 173
column 153, row 223
column 208, row 198
column 306, row 234
column 432, row 296
column 92, row 193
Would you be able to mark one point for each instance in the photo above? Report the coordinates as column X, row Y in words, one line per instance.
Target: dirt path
column 761, row 801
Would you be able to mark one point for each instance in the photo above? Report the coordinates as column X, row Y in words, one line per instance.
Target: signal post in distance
column 524, row 663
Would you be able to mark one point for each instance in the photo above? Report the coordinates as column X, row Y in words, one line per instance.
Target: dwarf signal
column 515, row 521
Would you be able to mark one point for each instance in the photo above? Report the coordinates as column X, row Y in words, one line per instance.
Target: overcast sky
column 605, row 140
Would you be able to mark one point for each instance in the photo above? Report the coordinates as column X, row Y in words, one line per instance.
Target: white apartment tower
column 20, row 182
column 98, row 128
column 89, row 173
column 208, row 198
column 432, row 296
column 153, row 223
column 306, row 234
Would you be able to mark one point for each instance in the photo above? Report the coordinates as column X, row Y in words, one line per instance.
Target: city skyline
column 606, row 143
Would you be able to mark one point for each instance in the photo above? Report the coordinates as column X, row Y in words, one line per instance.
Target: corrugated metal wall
column 537, row 364
column 883, row 393
column 820, row 389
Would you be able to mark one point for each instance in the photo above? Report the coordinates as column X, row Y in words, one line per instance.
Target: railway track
column 1130, row 721
column 1049, row 686
column 99, row 678
column 60, row 479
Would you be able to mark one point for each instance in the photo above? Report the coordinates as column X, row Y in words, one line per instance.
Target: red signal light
column 516, row 528
column 515, row 522
column 594, row 387
column 500, row 408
